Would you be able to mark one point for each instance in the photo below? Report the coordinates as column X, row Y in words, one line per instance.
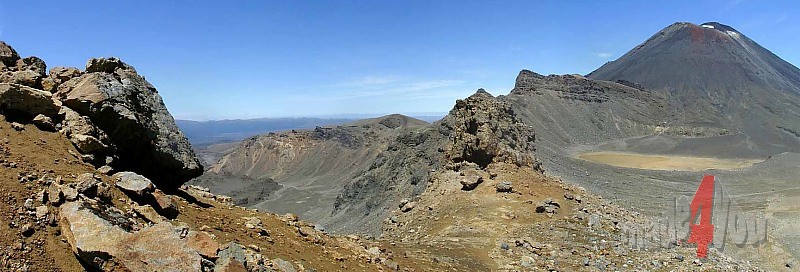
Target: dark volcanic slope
column 716, row 76
column 571, row 110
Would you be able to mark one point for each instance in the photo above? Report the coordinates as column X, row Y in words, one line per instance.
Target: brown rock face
column 203, row 243
column 26, row 100
column 133, row 183
column 486, row 130
column 111, row 111
column 158, row 248
column 83, row 133
column 102, row 239
column 90, row 236
column 108, row 65
column 59, row 75
column 8, row 56
column 124, row 105
column 33, row 64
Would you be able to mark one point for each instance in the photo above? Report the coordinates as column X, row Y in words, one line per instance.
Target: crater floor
column 665, row 162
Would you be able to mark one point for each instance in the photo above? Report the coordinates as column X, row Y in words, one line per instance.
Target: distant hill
column 201, row 133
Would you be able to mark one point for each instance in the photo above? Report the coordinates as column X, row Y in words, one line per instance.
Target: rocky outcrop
column 485, row 130
column 128, row 108
column 57, row 76
column 110, row 113
column 25, row 71
column 8, row 56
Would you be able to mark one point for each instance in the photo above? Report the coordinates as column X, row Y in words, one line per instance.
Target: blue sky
column 245, row 59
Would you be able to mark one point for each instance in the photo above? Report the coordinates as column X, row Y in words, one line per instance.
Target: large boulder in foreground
column 102, row 237
column 129, row 109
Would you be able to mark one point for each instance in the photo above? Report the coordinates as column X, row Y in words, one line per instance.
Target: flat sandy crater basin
column 665, row 162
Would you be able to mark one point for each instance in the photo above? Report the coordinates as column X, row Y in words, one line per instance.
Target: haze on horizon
column 211, row 60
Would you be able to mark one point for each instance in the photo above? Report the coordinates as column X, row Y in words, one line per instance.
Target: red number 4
column 702, row 233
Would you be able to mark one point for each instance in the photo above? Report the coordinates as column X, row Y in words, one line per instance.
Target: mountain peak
column 710, row 58
column 714, row 74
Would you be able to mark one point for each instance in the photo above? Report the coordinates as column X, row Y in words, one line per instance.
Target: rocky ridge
column 75, row 196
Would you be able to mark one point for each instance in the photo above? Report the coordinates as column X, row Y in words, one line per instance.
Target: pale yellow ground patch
column 665, row 162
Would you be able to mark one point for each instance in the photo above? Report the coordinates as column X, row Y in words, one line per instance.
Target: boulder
column 158, row 248
column 127, row 107
column 90, row 237
column 54, row 194
column 109, row 245
column 252, row 222
column 504, row 187
column 470, row 182
column 148, row 213
column 27, row 78
column 88, row 144
column 203, row 243
column 8, row 56
column 41, row 212
column 44, row 123
column 70, row 193
column 87, row 184
column 28, row 205
column 49, row 85
column 33, row 64
column 83, row 134
column 133, row 183
column 233, row 251
column 62, row 74
column 548, row 206
column 57, row 76
column 107, row 65
column 27, row 100
column 17, row 126
column 408, row 206
column 164, row 204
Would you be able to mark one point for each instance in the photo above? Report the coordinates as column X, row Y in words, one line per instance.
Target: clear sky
column 244, row 59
